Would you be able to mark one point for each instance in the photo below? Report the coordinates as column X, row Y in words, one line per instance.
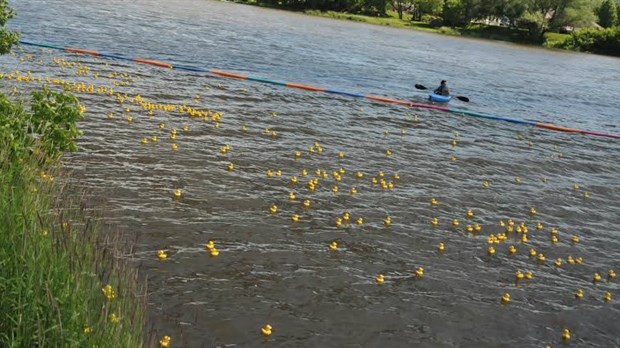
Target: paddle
column 459, row 97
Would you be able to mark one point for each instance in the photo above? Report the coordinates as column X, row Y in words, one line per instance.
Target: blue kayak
column 439, row 98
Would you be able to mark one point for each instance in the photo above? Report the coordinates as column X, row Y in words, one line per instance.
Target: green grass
column 54, row 264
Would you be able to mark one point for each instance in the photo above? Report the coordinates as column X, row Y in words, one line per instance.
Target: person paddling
column 443, row 89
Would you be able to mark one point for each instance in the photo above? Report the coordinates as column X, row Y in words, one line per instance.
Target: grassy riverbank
column 476, row 30
column 55, row 267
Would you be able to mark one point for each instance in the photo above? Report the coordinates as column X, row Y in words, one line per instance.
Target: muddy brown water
column 271, row 270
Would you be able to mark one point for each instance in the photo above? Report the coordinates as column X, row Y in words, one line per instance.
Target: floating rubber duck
column 396, row 176
column 558, row 262
column 433, row 202
column 539, row 226
column 306, row 203
column 174, row 147
column 532, row 211
column 485, row 184
column 359, row 221
column 596, row 278
column 294, row 218
column 470, row 214
column 340, row 155
column 359, row 175
column 611, row 274
column 419, row 272
column 529, row 275
column 291, row 196
column 185, row 129
column 452, row 158
column 524, row 238
column 607, row 297
column 210, row 245
column 586, row 195
column 338, row 222
column 297, row 155
column 455, row 223
column 388, row 153
column 554, row 231
column 230, row 167
column 579, row 260
column 453, row 143
column 519, row 275
column 164, row 342
column 506, row 298
column 266, row 330
column 144, row 140
column 469, row 228
column 477, row 228
column 576, row 187
column 380, row 279
column 333, row 246
column 162, row 126
column 512, row 250
column 129, row 119
column 335, row 189
column 579, row 294
column 541, row 258
column 575, row 239
column 214, row 252
column 178, row 193
column 387, row 221
column 441, row 247
column 491, row 251
column 570, row 260
column 554, row 239
column 161, row 254
column 517, row 180
column 304, row 172
column 353, row 191
column 154, row 138
column 273, row 209
column 566, row 334
column 434, row 221
column 278, row 172
column 293, row 180
column 346, row 217
column 269, row 173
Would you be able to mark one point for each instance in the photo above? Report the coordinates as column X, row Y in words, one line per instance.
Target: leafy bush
column 604, row 41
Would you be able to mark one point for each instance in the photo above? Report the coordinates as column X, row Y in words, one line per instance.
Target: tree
column 401, row 6
column 608, row 14
column 7, row 38
column 541, row 15
column 427, row 7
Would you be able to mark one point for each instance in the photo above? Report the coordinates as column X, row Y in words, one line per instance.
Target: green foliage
column 429, row 7
column 605, row 41
column 453, row 13
column 608, row 14
column 50, row 129
column 7, row 38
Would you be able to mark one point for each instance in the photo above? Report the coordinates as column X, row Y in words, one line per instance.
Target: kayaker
column 443, row 89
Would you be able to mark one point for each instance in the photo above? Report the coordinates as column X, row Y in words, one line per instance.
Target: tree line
column 535, row 17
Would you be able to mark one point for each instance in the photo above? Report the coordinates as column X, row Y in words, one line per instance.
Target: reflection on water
column 273, row 270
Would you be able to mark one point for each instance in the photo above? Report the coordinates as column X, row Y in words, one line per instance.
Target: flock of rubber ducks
column 137, row 103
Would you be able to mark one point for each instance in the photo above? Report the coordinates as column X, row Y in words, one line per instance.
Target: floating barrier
column 407, row 103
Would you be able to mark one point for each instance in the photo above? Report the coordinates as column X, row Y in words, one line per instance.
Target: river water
column 271, row 270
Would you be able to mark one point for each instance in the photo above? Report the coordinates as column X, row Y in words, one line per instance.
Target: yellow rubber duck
column 596, row 278
column 575, row 239
column 359, row 221
column 611, row 274
column 359, row 175
column 293, row 180
column 586, row 195
column 353, row 191
column 266, row 330
column 273, row 209
column 162, row 126
column 164, row 342
column 433, row 202
column 441, row 247
column 453, row 143
column 455, row 223
column 388, row 153
column 269, row 173
column 554, row 239
column 485, row 184
column 178, row 193
column 434, row 221
column 380, row 279
column 541, row 258
column 396, row 176
column 532, row 252
column 469, row 228
column 214, row 252
column 144, row 140
column 517, row 180
column 291, row 196
column 154, row 138
column 579, row 260
column 491, row 251
column 470, row 214
column 579, row 294
column 129, row 119
column 419, row 272
column 502, row 223
column 387, row 221
column 524, row 238
column 477, row 228
column 529, row 275
column 230, row 167
column 185, row 129
column 333, row 246
column 297, row 155
column 566, row 334
column 519, row 275
column 210, row 245
column 452, row 158
column 576, row 187
column 335, row 189
column 506, row 298
column 338, row 222
column 558, row 262
column 346, row 216
column 532, row 211
column 570, row 260
column 161, row 254
column 607, row 297
column 512, row 250
column 306, row 203
column 304, row 172
column 539, row 226
column 294, row 218
column 278, row 172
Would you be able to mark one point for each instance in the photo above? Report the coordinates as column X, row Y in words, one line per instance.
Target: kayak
column 439, row 98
